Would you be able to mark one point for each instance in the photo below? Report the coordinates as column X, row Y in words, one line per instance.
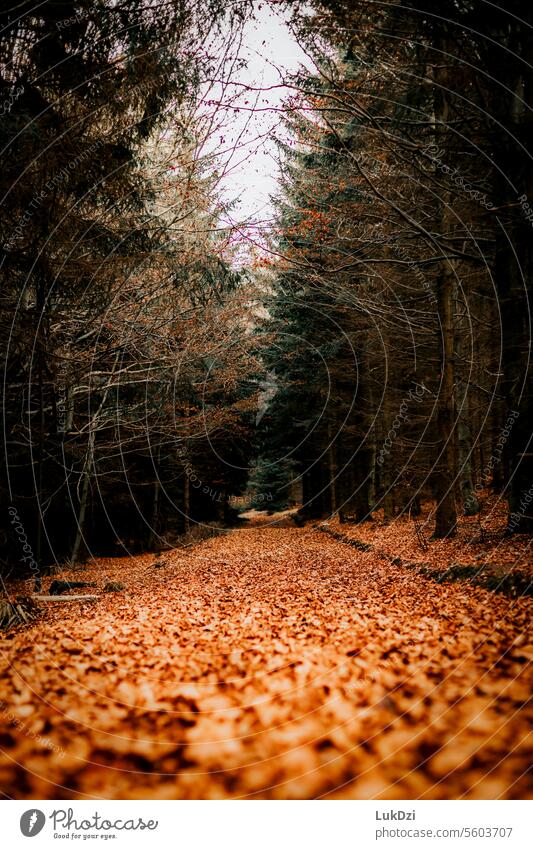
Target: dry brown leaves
column 270, row 663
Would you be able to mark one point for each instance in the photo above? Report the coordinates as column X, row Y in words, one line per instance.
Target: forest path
column 273, row 663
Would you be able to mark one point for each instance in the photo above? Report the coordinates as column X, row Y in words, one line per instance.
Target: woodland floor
column 274, row 662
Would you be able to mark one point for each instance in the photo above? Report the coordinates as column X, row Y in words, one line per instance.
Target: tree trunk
column 186, row 503
column 89, row 458
column 446, row 515
column 40, row 342
column 469, row 501
column 386, row 463
column 154, row 524
column 186, row 481
column 332, row 466
column 444, row 478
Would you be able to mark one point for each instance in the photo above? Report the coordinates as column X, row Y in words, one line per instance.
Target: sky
column 250, row 174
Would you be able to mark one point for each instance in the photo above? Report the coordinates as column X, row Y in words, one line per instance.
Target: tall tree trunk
column 186, row 482
column 385, row 465
column 446, row 516
column 40, row 349
column 186, row 503
column 332, row 466
column 84, row 497
column 469, row 501
column 154, row 524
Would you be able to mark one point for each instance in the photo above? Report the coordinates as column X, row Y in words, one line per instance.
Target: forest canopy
column 364, row 352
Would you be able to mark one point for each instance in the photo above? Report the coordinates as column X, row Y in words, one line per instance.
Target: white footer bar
column 268, row 824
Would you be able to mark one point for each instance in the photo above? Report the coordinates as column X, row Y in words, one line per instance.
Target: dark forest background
column 387, row 311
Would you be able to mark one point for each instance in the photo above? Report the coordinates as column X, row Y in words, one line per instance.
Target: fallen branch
column 65, row 597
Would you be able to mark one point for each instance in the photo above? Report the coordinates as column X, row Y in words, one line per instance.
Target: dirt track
column 269, row 663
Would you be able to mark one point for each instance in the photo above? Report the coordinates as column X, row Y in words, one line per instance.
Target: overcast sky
column 270, row 52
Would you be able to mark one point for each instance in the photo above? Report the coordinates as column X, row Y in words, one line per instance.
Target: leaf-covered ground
column 272, row 662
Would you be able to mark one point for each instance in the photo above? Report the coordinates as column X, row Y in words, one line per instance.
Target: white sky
column 269, row 51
